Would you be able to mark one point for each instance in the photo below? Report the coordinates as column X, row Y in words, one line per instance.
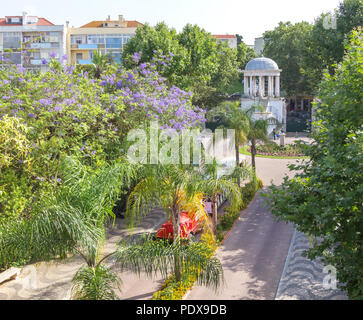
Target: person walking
column 274, row 133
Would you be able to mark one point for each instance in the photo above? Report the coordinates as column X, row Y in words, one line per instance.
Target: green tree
column 324, row 200
column 325, row 43
column 198, row 64
column 286, row 45
column 244, row 55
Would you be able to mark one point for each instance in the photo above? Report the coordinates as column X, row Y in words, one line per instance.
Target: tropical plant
column 172, row 188
column 95, row 283
column 213, row 186
column 247, row 129
column 162, row 257
column 100, row 62
column 230, row 115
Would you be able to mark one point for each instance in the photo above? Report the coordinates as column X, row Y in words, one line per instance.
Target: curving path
column 262, row 258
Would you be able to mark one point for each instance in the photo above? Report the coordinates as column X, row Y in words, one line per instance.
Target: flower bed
column 273, row 149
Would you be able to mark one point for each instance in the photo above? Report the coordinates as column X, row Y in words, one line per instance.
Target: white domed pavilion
column 262, row 87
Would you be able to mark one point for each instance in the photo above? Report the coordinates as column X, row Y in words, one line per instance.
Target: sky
column 250, row 18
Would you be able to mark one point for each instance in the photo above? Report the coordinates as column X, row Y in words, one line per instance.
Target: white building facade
column 262, row 88
column 230, row 40
column 31, row 41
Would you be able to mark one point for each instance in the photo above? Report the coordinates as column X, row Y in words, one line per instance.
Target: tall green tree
column 286, row 45
column 324, row 200
column 325, row 43
column 198, row 64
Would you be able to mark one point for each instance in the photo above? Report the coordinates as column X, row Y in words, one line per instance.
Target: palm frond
column 158, row 257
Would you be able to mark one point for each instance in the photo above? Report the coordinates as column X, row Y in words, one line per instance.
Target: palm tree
column 231, row 116
column 257, row 131
column 100, row 62
column 172, row 187
column 213, row 186
column 247, row 128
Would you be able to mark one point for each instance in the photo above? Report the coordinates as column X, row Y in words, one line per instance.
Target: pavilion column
column 260, row 90
column 250, row 86
column 246, row 85
column 269, row 86
column 254, row 86
column 277, row 88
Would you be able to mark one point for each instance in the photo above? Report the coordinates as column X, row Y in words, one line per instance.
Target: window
column 96, row 39
column 114, row 43
column 78, row 39
column 11, row 40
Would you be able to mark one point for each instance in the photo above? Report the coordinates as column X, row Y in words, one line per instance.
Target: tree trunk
column 253, row 154
column 215, row 212
column 238, row 164
column 175, row 217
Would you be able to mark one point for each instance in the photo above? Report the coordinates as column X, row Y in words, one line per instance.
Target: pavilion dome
column 261, row 63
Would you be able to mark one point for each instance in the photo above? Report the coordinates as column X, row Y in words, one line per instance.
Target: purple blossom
column 137, row 56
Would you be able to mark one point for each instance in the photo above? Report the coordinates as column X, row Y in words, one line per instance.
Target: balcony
column 87, row 46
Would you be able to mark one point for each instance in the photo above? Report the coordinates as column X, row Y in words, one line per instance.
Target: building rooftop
column 40, row 21
column 223, row 36
column 100, row 24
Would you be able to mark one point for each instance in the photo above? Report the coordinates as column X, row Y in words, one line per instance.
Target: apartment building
column 230, row 40
column 31, row 41
column 106, row 36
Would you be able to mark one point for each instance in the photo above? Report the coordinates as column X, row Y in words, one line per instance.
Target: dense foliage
column 303, row 51
column 324, row 200
column 52, row 115
column 199, row 64
column 285, row 45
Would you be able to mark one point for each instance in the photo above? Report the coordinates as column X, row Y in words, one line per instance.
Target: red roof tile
column 223, row 36
column 99, row 24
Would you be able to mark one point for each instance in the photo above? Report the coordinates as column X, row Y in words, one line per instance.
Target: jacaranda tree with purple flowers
column 67, row 113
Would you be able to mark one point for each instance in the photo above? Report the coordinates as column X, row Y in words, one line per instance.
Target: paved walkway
column 262, row 259
column 303, row 279
column 253, row 257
